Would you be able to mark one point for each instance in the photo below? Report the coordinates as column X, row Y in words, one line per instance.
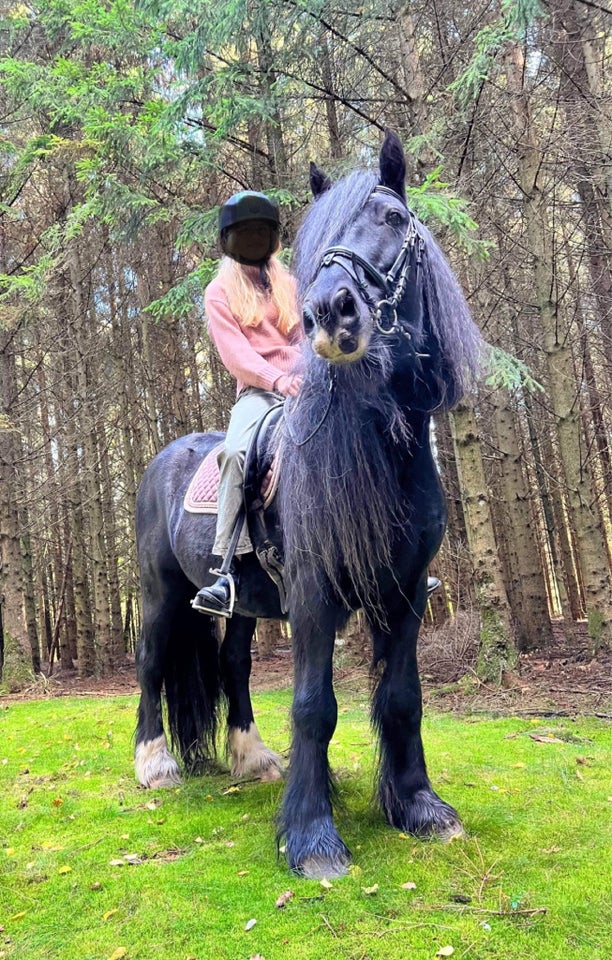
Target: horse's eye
column 394, row 218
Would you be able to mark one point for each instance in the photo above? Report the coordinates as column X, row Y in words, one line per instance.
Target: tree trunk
column 527, row 589
column 277, row 155
column 269, row 638
column 331, row 112
column 563, row 388
column 497, row 640
column 15, row 653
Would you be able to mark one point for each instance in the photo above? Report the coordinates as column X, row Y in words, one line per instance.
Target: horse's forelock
column 327, row 220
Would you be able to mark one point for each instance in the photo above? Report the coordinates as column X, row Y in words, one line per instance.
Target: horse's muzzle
column 337, row 325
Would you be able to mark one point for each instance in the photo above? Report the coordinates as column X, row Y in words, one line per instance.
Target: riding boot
column 218, row 599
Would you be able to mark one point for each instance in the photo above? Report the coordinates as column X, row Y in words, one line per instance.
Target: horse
column 358, row 516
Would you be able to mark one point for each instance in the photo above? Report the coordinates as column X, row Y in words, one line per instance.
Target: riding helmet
column 247, row 205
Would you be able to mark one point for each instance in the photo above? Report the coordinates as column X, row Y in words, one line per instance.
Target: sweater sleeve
column 237, row 354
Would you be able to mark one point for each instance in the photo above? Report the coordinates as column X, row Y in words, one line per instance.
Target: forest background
column 123, row 127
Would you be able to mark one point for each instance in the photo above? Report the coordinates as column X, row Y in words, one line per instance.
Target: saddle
column 261, row 476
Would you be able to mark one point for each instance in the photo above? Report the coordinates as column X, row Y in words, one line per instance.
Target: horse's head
column 363, row 273
column 375, row 285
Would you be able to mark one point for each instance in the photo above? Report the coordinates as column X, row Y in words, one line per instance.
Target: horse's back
column 159, row 502
column 167, row 477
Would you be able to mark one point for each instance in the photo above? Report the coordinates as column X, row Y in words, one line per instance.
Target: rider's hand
column 287, row 385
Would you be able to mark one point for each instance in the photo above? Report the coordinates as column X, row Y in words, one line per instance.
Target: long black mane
column 341, row 493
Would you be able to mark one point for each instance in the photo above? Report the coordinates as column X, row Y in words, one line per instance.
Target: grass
column 91, row 867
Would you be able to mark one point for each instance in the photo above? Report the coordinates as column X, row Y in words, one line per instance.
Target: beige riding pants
column 251, row 404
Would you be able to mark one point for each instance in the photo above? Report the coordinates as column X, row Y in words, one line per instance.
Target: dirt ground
column 563, row 681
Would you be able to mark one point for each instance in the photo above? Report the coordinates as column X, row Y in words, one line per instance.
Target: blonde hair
column 246, row 298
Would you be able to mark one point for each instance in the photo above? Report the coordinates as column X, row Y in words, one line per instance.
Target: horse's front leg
column 406, row 795
column 250, row 757
column 314, row 848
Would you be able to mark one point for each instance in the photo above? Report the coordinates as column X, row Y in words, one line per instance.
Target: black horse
column 359, row 515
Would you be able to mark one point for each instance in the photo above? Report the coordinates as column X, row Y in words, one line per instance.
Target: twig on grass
column 329, row 926
column 462, row 908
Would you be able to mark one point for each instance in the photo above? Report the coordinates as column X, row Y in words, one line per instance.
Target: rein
column 330, row 391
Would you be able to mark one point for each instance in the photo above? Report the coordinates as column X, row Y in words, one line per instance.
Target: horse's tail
column 192, row 684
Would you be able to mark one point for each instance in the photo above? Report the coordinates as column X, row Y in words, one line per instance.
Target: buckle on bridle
column 385, row 316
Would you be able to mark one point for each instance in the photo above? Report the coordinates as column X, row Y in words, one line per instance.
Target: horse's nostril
column 343, row 303
column 347, row 342
column 309, row 321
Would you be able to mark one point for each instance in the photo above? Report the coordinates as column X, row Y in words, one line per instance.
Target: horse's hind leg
column 406, row 795
column 249, row 755
column 154, row 763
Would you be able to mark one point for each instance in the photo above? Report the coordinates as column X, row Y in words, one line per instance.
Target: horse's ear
column 393, row 163
column 319, row 181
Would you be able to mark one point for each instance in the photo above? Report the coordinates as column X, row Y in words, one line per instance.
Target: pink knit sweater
column 255, row 356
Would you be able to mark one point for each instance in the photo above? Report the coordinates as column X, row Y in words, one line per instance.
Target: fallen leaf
column 242, row 873
column 370, row 891
column 132, row 858
column 151, row 805
column 117, row 863
column 231, row 790
column 326, row 884
column 284, row 899
column 550, row 850
column 109, row 914
column 544, row 739
column 64, row 869
column 57, row 802
column 95, row 886
column 118, row 953
column 445, row 952
column 409, row 885
column 250, row 924
column 18, row 916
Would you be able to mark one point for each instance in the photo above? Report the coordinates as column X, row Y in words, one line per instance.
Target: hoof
column 425, row 816
column 275, row 771
column 451, row 832
column 318, row 855
column 316, row 868
column 164, row 783
column 155, row 766
column 251, row 758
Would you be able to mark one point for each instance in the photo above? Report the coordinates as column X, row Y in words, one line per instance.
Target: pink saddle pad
column 202, row 492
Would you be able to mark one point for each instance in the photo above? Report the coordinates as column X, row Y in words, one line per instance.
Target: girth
column 260, row 453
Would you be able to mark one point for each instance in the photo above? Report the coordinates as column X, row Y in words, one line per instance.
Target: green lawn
column 92, row 867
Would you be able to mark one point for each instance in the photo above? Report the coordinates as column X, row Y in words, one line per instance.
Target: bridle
column 383, row 311
column 393, row 285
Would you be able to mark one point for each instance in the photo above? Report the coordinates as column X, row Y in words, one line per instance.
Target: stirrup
column 432, row 584
column 218, row 612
